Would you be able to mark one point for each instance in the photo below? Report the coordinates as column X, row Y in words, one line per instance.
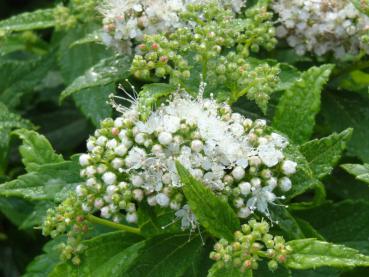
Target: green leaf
column 348, row 222
column 36, row 150
column 215, row 271
column 93, row 103
column 286, row 222
column 8, row 121
column 215, row 215
column 154, row 221
column 343, row 110
column 75, row 61
column 93, row 37
column 150, row 96
column 303, row 179
column 120, row 254
column 166, row 256
column 39, row 19
column 323, row 154
column 49, row 182
column 26, row 75
column 298, row 106
column 361, row 172
column 312, row 253
column 107, row 71
column 105, row 256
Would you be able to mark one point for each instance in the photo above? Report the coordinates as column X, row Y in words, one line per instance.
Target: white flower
column 188, row 219
column 125, row 20
column 321, row 26
column 165, row 138
column 162, row 199
column 238, row 173
column 228, row 153
column 84, row 160
column 285, row 184
column 245, row 188
column 289, row 167
column 131, row 217
column 109, row 178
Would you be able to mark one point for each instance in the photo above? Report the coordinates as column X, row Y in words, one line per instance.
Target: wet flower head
column 125, row 20
column 130, row 160
column 321, row 26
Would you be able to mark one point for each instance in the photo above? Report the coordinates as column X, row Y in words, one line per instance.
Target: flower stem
column 108, row 223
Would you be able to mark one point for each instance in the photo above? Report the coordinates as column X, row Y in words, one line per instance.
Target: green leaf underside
column 215, row 215
column 39, row 19
column 120, row 254
column 311, row 253
column 323, row 154
column 298, row 106
column 361, row 172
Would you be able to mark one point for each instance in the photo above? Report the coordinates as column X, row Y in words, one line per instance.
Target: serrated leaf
column 215, row 215
column 323, row 154
column 45, row 183
column 312, row 253
column 343, row 110
column 87, row 55
column 215, row 271
column 150, row 96
column 348, row 222
column 361, row 172
column 39, row 19
column 26, row 75
column 36, row 150
column 303, row 179
column 107, row 71
column 298, row 106
column 93, row 103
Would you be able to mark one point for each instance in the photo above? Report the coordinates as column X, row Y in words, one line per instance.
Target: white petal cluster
column 127, row 20
column 321, row 26
column 131, row 160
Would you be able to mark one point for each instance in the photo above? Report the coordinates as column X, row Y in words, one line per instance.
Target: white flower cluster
column 321, row 26
column 125, row 20
column 130, row 160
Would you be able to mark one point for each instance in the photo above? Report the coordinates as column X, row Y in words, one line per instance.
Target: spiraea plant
column 193, row 140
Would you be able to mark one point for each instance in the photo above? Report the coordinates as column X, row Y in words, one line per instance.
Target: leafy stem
column 108, row 223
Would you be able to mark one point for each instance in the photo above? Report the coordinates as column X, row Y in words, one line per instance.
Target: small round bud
column 165, row 138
